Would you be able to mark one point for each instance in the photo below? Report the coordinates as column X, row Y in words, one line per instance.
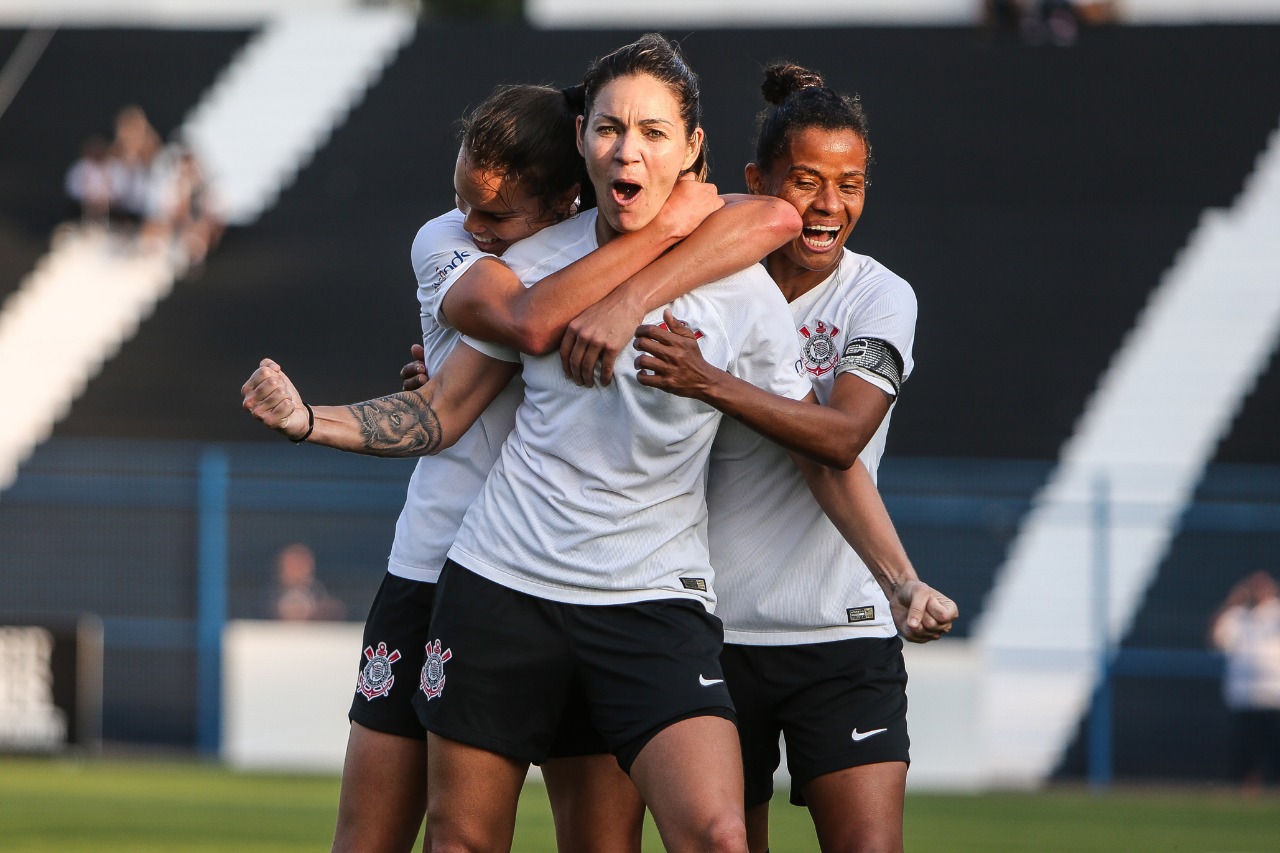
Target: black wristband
column 311, row 425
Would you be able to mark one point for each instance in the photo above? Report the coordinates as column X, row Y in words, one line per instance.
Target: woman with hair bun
column 811, row 626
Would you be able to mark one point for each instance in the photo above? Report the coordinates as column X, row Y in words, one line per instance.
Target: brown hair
column 526, row 134
column 659, row 58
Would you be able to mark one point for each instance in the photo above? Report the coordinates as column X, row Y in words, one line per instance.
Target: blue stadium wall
column 1032, row 196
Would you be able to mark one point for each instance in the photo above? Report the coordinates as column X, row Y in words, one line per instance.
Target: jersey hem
column 413, row 573
column 816, row 635
column 566, row 594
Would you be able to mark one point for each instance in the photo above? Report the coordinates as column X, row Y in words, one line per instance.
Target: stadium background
column 1034, row 197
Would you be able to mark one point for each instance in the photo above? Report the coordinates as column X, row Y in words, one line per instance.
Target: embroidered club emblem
column 819, row 347
column 432, row 680
column 376, row 677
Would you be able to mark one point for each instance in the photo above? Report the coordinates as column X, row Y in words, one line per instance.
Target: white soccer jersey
column 599, row 494
column 445, row 485
column 786, row 574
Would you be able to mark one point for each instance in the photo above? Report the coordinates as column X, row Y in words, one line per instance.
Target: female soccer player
column 811, row 643
column 518, row 171
column 581, row 565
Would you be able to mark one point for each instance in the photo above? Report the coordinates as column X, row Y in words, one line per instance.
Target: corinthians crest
column 432, row 679
column 820, row 354
column 376, row 677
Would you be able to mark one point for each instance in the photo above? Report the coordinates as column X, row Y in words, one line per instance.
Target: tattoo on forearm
column 400, row 425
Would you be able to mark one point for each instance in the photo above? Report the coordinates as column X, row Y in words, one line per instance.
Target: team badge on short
column 820, row 354
column 432, row 680
column 376, row 677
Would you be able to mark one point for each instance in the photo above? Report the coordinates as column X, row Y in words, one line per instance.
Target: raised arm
column 490, row 303
column 733, row 238
column 853, row 503
column 832, row 434
column 421, row 422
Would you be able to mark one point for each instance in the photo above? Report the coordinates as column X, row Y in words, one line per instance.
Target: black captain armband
column 875, row 358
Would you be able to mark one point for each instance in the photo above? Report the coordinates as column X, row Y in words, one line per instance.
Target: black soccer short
column 841, row 704
column 503, row 667
column 395, row 639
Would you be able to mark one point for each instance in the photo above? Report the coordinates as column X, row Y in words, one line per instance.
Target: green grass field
column 147, row 807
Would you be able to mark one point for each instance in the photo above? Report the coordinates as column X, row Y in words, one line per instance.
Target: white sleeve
column 441, row 253
column 496, row 351
column 878, row 344
column 769, row 356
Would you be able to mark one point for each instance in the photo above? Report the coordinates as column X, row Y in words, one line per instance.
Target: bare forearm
column 533, row 320
column 733, row 238
column 821, row 433
column 420, row 422
column 411, row 423
column 399, row 425
column 852, row 502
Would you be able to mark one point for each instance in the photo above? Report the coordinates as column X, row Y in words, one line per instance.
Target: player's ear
column 564, row 207
column 755, row 180
column 697, row 140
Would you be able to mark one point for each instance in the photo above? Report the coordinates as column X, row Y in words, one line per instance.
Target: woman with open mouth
column 488, row 739
column 518, row 171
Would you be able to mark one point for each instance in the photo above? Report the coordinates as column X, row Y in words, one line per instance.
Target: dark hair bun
column 576, row 97
column 783, row 78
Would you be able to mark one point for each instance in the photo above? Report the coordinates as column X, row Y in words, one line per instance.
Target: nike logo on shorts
column 861, row 736
column 707, row 682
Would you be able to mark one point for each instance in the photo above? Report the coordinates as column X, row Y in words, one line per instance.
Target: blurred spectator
column 1003, row 15
column 184, row 213
column 299, row 596
column 92, row 181
column 113, row 183
column 158, row 193
column 1038, row 21
column 135, row 149
column 1247, row 630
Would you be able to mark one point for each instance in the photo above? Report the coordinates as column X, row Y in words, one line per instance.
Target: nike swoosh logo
column 859, row 736
column 707, row 682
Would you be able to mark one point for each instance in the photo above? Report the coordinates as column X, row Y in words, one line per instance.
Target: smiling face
column 636, row 146
column 499, row 212
column 824, row 175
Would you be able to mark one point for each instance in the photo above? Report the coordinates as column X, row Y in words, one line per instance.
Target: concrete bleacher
column 1167, row 712
column 269, row 110
column 1140, row 447
column 82, row 78
column 1038, row 181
